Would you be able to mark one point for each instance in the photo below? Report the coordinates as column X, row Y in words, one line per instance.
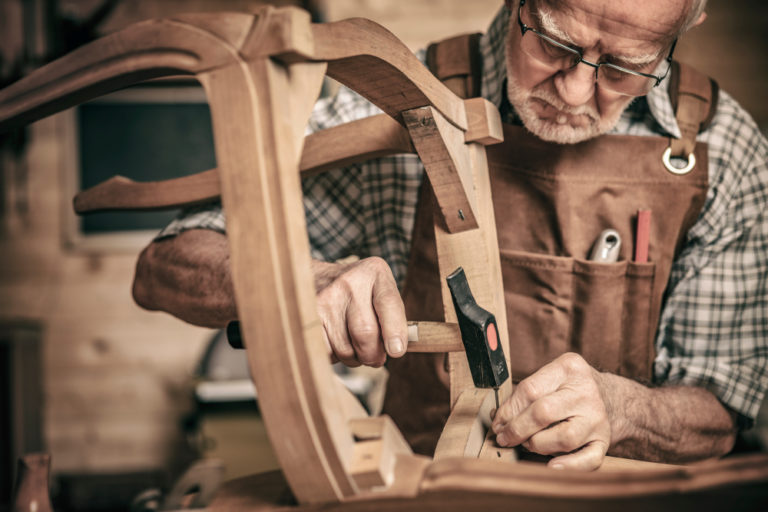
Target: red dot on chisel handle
column 491, row 336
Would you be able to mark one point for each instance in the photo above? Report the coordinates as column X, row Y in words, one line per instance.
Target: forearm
column 189, row 276
column 666, row 424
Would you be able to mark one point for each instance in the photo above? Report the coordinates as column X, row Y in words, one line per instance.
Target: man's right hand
column 361, row 311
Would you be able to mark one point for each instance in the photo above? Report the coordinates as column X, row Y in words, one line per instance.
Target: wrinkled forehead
column 639, row 20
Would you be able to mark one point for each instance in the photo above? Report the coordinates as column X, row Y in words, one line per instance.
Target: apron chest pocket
column 561, row 304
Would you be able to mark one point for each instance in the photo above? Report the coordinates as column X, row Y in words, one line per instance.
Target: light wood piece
column 361, row 140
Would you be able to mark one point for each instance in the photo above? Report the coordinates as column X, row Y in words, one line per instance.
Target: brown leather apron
column 551, row 203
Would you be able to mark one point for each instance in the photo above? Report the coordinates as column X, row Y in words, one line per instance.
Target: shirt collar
column 661, row 106
column 492, row 54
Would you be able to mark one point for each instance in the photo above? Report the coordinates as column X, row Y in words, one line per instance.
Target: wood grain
column 440, row 147
column 269, row 255
column 434, row 337
column 371, row 61
column 483, row 122
column 377, row 443
column 464, row 434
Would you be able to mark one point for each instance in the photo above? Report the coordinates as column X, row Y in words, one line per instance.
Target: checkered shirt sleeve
column 364, row 210
column 714, row 326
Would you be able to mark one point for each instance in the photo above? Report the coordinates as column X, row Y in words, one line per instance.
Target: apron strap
column 694, row 100
column 457, row 63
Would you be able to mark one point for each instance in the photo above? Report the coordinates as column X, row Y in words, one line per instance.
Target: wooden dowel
column 434, row 337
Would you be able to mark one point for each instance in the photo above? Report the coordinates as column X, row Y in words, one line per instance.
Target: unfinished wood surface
column 371, row 61
column 147, row 50
column 434, row 337
column 269, row 255
column 121, row 193
column 493, row 451
column 377, row 444
column 440, row 147
column 495, row 292
column 465, row 484
column 476, row 251
column 340, row 146
column 483, row 122
column 464, row 433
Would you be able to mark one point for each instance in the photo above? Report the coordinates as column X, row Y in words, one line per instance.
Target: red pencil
column 643, row 235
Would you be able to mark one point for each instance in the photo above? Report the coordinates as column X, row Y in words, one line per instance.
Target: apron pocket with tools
column 562, row 304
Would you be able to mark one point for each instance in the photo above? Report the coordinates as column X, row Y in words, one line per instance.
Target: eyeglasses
column 609, row 76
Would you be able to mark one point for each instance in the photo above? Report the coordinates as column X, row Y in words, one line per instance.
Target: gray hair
column 697, row 7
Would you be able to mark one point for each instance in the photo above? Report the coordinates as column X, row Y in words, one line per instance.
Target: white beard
column 549, row 129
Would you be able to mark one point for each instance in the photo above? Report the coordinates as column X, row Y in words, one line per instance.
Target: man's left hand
column 559, row 410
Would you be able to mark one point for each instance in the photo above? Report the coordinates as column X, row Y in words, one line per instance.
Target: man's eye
column 553, row 50
column 612, row 73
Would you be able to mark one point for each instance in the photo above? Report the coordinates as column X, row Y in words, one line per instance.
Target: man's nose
column 576, row 85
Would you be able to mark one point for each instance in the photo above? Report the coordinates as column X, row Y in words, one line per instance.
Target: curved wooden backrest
column 262, row 74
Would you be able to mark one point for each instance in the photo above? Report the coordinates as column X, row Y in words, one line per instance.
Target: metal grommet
column 678, row 170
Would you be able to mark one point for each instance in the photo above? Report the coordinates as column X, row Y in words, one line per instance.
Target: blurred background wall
column 98, row 382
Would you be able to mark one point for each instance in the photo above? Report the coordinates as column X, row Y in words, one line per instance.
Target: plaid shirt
column 713, row 330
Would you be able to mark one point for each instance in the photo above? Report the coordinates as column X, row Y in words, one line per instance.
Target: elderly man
column 660, row 360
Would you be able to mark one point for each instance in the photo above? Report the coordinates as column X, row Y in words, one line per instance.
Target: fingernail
column 557, row 466
column 395, row 345
column 502, row 439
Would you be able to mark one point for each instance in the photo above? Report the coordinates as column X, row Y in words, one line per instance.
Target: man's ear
column 702, row 17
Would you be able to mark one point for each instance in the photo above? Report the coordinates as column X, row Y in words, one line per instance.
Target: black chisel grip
column 479, row 333
column 233, row 334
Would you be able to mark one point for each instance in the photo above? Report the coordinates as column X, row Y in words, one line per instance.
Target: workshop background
column 122, row 398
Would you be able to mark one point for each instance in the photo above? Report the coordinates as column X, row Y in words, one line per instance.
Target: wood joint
column 442, row 150
column 377, row 443
column 483, row 122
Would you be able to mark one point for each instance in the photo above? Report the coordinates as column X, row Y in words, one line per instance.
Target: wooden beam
column 340, row 146
column 446, row 161
column 370, row 60
column 434, row 337
column 256, row 148
column 464, row 433
column 377, row 444
column 483, row 122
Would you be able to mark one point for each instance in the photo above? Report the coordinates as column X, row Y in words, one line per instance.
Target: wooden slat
column 146, row 50
column 378, row 442
column 476, row 251
column 483, row 122
column 446, row 162
column 269, row 255
column 493, row 451
column 464, row 434
column 434, row 337
column 340, row 146
column 370, row 60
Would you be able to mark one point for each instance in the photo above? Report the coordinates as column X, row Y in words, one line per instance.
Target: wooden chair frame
column 262, row 73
